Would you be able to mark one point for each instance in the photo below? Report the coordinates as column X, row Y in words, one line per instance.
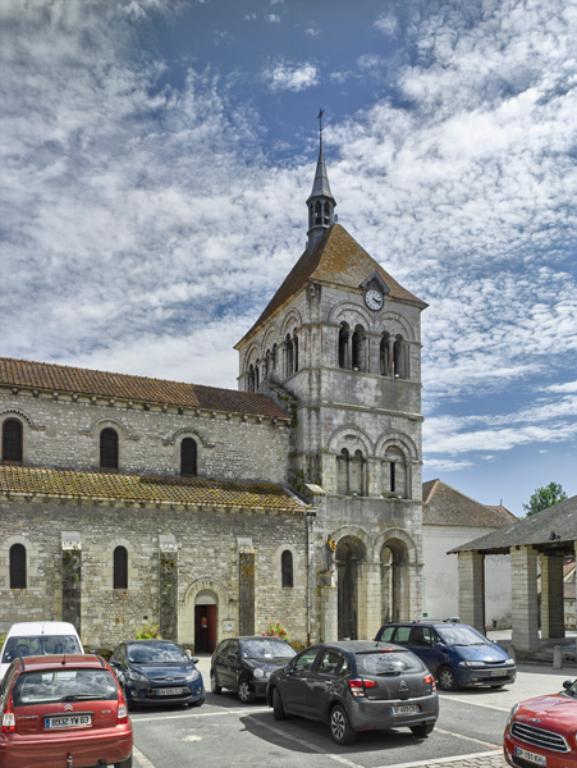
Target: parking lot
column 224, row 733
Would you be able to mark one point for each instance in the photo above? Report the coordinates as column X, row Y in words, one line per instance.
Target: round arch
column 350, row 313
column 203, row 606
column 292, row 320
column 399, row 439
column 350, row 560
column 395, row 324
column 336, row 440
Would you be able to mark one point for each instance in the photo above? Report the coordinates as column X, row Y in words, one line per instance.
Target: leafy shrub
column 276, row 630
column 148, row 632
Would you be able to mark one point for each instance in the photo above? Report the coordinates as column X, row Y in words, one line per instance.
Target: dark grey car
column 356, row 686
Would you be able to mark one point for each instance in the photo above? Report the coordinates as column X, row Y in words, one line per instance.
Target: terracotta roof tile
column 149, row 489
column 337, row 259
column 49, row 376
column 443, row 505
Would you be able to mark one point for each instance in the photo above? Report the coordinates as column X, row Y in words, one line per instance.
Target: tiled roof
column 443, row 505
column 149, row 489
column 556, row 527
column 83, row 381
column 337, row 259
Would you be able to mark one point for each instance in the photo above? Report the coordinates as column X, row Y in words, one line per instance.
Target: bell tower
column 321, row 203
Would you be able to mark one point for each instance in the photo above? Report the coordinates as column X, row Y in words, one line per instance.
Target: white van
column 38, row 638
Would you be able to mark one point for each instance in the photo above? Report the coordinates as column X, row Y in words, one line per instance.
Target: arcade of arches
column 370, row 590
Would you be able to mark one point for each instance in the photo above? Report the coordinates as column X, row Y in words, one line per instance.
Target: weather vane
column 320, row 119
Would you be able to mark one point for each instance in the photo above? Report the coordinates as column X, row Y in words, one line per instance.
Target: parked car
column 244, row 665
column 37, row 638
column 357, row 686
column 541, row 731
column 458, row 655
column 157, row 672
column 63, row 710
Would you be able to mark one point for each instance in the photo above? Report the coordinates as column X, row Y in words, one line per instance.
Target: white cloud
column 312, row 32
column 387, row 24
column 282, row 76
column 273, row 18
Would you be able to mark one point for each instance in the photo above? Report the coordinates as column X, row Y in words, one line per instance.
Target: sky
column 155, row 159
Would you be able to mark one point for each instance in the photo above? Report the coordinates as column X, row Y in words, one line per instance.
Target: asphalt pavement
column 225, row 733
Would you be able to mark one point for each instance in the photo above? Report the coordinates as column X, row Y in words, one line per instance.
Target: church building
column 127, row 501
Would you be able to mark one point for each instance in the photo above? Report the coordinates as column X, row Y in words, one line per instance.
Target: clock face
column 374, row 299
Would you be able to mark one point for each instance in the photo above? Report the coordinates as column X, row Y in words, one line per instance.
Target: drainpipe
column 309, row 517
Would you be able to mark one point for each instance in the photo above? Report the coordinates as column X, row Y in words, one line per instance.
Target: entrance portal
column 350, row 555
column 205, row 622
column 395, row 581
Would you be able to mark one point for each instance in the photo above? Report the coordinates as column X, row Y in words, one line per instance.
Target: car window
column 422, row 637
column 387, row 634
column 222, row 648
column 388, row 663
column 266, row 648
column 17, row 647
column 402, row 634
column 232, row 649
column 156, row 653
column 460, row 634
column 334, row 664
column 305, row 661
column 64, row 685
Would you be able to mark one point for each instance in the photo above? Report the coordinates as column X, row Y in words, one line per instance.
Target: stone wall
column 207, row 546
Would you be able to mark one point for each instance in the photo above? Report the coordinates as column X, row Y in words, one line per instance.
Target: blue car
column 458, row 655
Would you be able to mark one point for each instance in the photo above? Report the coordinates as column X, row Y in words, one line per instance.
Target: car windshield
column 40, row 645
column 460, row 634
column 65, row 685
column 267, row 648
column 388, row 663
column 157, row 653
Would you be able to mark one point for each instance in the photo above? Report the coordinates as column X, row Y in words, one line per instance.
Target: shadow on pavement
column 300, row 735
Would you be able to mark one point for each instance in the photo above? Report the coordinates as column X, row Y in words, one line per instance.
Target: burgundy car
column 63, row 711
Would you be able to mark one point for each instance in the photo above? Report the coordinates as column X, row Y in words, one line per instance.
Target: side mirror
column 194, row 659
column 567, row 684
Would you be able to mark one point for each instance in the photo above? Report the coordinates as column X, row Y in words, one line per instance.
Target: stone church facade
column 128, row 501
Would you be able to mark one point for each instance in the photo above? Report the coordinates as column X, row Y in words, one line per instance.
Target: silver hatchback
column 357, row 686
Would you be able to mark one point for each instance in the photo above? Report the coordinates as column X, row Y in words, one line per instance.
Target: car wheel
column 245, row 692
column 447, row 680
column 277, row 705
column 125, row 763
column 340, row 726
column 214, row 686
column 423, row 730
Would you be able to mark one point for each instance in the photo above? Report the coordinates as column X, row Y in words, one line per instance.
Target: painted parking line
column 461, row 700
column 488, row 744
column 445, row 760
column 141, row 759
column 194, row 715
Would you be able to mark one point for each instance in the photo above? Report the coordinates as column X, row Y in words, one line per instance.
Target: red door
column 205, row 618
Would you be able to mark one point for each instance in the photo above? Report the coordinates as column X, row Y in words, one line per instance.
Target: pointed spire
column 321, row 203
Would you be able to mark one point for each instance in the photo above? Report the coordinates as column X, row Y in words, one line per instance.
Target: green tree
column 545, row 497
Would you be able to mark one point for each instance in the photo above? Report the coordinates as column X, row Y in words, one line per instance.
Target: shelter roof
column 337, row 259
column 27, row 374
column 553, row 527
column 444, row 505
column 146, row 489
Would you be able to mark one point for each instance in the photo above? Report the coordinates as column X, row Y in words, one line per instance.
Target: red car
column 63, row 712
column 543, row 731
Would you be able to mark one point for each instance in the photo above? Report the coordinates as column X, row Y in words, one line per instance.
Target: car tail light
column 122, row 713
column 8, row 718
column 359, row 685
column 430, row 680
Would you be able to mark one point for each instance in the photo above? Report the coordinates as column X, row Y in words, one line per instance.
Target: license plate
column 530, row 757
column 499, row 672
column 406, row 709
column 68, row 721
column 169, row 691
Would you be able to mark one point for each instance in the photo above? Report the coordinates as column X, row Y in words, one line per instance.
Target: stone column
column 374, row 599
column 168, row 587
column 472, row 589
column 552, row 605
column 524, row 598
column 72, row 579
column 329, row 614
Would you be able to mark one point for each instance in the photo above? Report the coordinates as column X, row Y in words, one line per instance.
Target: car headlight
column 192, row 676
column 133, row 674
column 512, row 715
column 509, row 663
column 472, row 664
column 260, row 673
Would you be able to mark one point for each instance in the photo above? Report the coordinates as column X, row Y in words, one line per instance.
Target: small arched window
column 286, row 562
column 358, row 348
column 357, row 474
column 295, row 352
column 18, row 576
column 250, row 378
column 344, row 346
column 400, row 358
column 318, row 213
column 327, row 214
column 395, row 475
column 385, row 354
column 289, row 358
column 120, row 568
column 12, row 441
column 267, row 364
column 109, row 449
column 274, row 356
column 343, row 472
column 256, row 378
column 188, row 457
